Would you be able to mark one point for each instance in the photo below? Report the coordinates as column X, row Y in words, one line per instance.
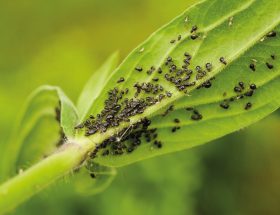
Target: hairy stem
column 44, row 173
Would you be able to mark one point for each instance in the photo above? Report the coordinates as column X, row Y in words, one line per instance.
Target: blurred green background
column 62, row 42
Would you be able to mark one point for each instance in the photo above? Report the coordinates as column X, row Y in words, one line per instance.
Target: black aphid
column 249, row 93
column 176, row 120
column 198, row 68
column 208, row 66
column 172, row 41
column 194, row 36
column 272, row 57
column 155, row 79
column 194, row 28
column 224, row 105
column 237, row 89
column 169, row 59
column 272, row 34
column 179, row 37
column 222, row 60
column 168, row 94
column 92, row 175
column 196, row 116
column 139, row 69
column 253, row 87
column 248, row 106
column 189, row 108
column 241, row 84
column 120, row 80
column 252, row 66
column 269, row 66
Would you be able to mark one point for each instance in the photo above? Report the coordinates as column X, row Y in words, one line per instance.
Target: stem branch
column 26, row 184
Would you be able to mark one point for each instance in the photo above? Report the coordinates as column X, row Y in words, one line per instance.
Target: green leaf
column 93, row 179
column 48, row 117
column 95, row 85
column 234, row 30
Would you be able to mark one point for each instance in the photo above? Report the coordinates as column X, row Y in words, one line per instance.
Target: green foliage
column 48, row 116
column 225, row 29
column 229, row 32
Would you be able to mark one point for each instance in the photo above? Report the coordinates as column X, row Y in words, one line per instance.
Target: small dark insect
column 273, row 57
column 176, row 120
column 194, row 28
column 249, row 93
column 252, row 67
column 169, row 59
column 159, row 70
column 237, row 89
column 194, row 36
column 253, row 87
column 120, row 80
column 196, row 116
column 208, row 66
column 139, row 69
column 168, row 94
column 248, row 106
column 174, row 129
column 207, row 84
column 269, row 66
column 155, row 79
column 198, row 68
column 92, row 175
column 224, row 105
column 222, row 60
column 179, row 37
column 241, row 84
column 172, row 41
column 189, row 108
column 188, row 56
column 272, row 34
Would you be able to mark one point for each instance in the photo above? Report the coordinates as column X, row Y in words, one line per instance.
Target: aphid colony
column 120, row 107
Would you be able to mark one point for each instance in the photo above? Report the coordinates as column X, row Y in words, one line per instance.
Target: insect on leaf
column 211, row 71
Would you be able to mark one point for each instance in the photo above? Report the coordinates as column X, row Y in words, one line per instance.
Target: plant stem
column 44, row 173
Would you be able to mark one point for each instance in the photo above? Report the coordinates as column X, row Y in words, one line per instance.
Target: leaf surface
column 233, row 30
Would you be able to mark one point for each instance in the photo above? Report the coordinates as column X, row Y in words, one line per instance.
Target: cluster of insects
column 122, row 104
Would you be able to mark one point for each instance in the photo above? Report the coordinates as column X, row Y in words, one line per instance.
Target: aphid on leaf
column 139, row 69
column 248, row 106
column 241, row 84
column 269, row 66
column 237, row 89
column 208, row 66
column 92, row 175
column 272, row 34
column 252, row 66
column 120, row 80
column 222, row 60
column 194, row 28
column 194, row 36
column 155, row 79
column 224, row 105
column 196, row 117
column 172, row 41
column 253, row 87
